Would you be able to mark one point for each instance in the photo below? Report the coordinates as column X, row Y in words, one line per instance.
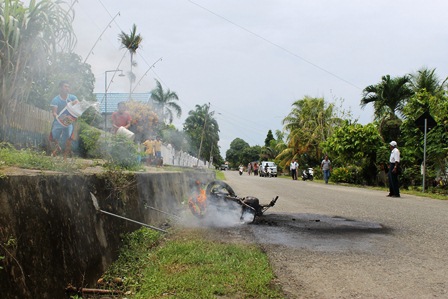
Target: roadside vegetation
column 186, row 264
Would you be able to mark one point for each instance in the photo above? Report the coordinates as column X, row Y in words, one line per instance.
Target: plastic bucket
column 125, row 132
column 69, row 115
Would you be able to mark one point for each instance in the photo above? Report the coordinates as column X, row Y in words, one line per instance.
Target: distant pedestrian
column 249, row 168
column 255, row 168
column 394, row 169
column 294, row 167
column 326, row 168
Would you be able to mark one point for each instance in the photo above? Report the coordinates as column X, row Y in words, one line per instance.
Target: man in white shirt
column 293, row 167
column 394, row 188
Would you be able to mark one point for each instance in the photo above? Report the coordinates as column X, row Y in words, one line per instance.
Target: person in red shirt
column 121, row 118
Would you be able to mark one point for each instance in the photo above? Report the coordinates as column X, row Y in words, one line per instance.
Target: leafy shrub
column 90, row 145
column 350, row 174
column 123, row 153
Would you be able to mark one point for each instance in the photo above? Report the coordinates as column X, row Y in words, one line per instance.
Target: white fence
column 180, row 158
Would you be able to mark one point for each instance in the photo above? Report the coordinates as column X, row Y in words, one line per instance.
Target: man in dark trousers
column 394, row 160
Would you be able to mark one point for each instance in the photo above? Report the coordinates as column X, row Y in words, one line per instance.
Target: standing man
column 121, row 118
column 326, row 168
column 61, row 135
column 293, row 167
column 394, row 190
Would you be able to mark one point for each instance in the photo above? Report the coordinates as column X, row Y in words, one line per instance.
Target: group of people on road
column 252, row 167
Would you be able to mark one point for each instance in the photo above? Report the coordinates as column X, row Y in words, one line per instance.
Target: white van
column 270, row 171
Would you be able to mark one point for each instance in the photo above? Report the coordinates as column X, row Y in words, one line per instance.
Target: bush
column 123, row 153
column 90, row 145
column 349, row 174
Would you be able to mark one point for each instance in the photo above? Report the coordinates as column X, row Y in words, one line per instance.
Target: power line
column 274, row 44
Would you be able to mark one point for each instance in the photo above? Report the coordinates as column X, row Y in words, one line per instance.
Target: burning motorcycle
column 308, row 174
column 221, row 197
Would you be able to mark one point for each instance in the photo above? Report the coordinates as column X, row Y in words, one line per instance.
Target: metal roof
column 114, row 98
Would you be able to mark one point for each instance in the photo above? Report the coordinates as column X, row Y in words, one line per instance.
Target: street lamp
column 105, row 94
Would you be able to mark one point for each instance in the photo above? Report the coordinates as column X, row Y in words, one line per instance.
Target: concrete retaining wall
column 51, row 235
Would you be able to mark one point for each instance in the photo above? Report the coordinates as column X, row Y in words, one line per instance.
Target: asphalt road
column 330, row 241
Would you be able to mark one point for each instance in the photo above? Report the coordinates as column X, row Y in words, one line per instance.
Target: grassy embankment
column 186, row 264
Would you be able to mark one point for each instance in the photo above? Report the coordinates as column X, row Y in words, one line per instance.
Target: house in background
column 106, row 109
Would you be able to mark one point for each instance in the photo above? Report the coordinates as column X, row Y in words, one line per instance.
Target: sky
column 252, row 59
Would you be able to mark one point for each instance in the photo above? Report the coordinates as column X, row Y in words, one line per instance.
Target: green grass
column 30, row 159
column 186, row 264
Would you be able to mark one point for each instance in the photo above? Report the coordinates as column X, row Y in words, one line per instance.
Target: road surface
column 330, row 241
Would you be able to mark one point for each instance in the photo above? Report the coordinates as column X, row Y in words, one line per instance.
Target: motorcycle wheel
column 218, row 189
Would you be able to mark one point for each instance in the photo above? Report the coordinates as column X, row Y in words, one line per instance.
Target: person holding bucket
column 121, row 118
column 62, row 130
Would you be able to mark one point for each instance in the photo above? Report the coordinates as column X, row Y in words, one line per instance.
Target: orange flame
column 198, row 202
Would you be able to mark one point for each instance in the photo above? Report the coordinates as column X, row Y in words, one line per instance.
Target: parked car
column 270, row 171
column 224, row 167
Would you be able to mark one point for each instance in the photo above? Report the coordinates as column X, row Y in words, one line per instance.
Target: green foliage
column 349, row 174
column 28, row 158
column 188, row 266
column 310, row 122
column 69, row 67
column 166, row 103
column 437, row 139
column 123, row 153
column 355, row 144
column 90, row 141
column 202, row 130
column 131, row 42
column 234, row 153
column 269, row 137
column 92, row 117
column 29, row 39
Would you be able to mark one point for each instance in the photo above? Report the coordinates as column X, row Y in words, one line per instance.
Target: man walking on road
column 326, row 168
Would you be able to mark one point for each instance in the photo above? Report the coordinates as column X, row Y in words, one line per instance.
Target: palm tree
column 428, row 80
column 309, row 123
column 388, row 97
column 131, row 42
column 165, row 100
column 200, row 125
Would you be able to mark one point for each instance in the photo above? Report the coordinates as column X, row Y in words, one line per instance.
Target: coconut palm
column 309, row 123
column 388, row 98
column 29, row 38
column 165, row 102
column 428, row 80
column 203, row 131
column 131, row 42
